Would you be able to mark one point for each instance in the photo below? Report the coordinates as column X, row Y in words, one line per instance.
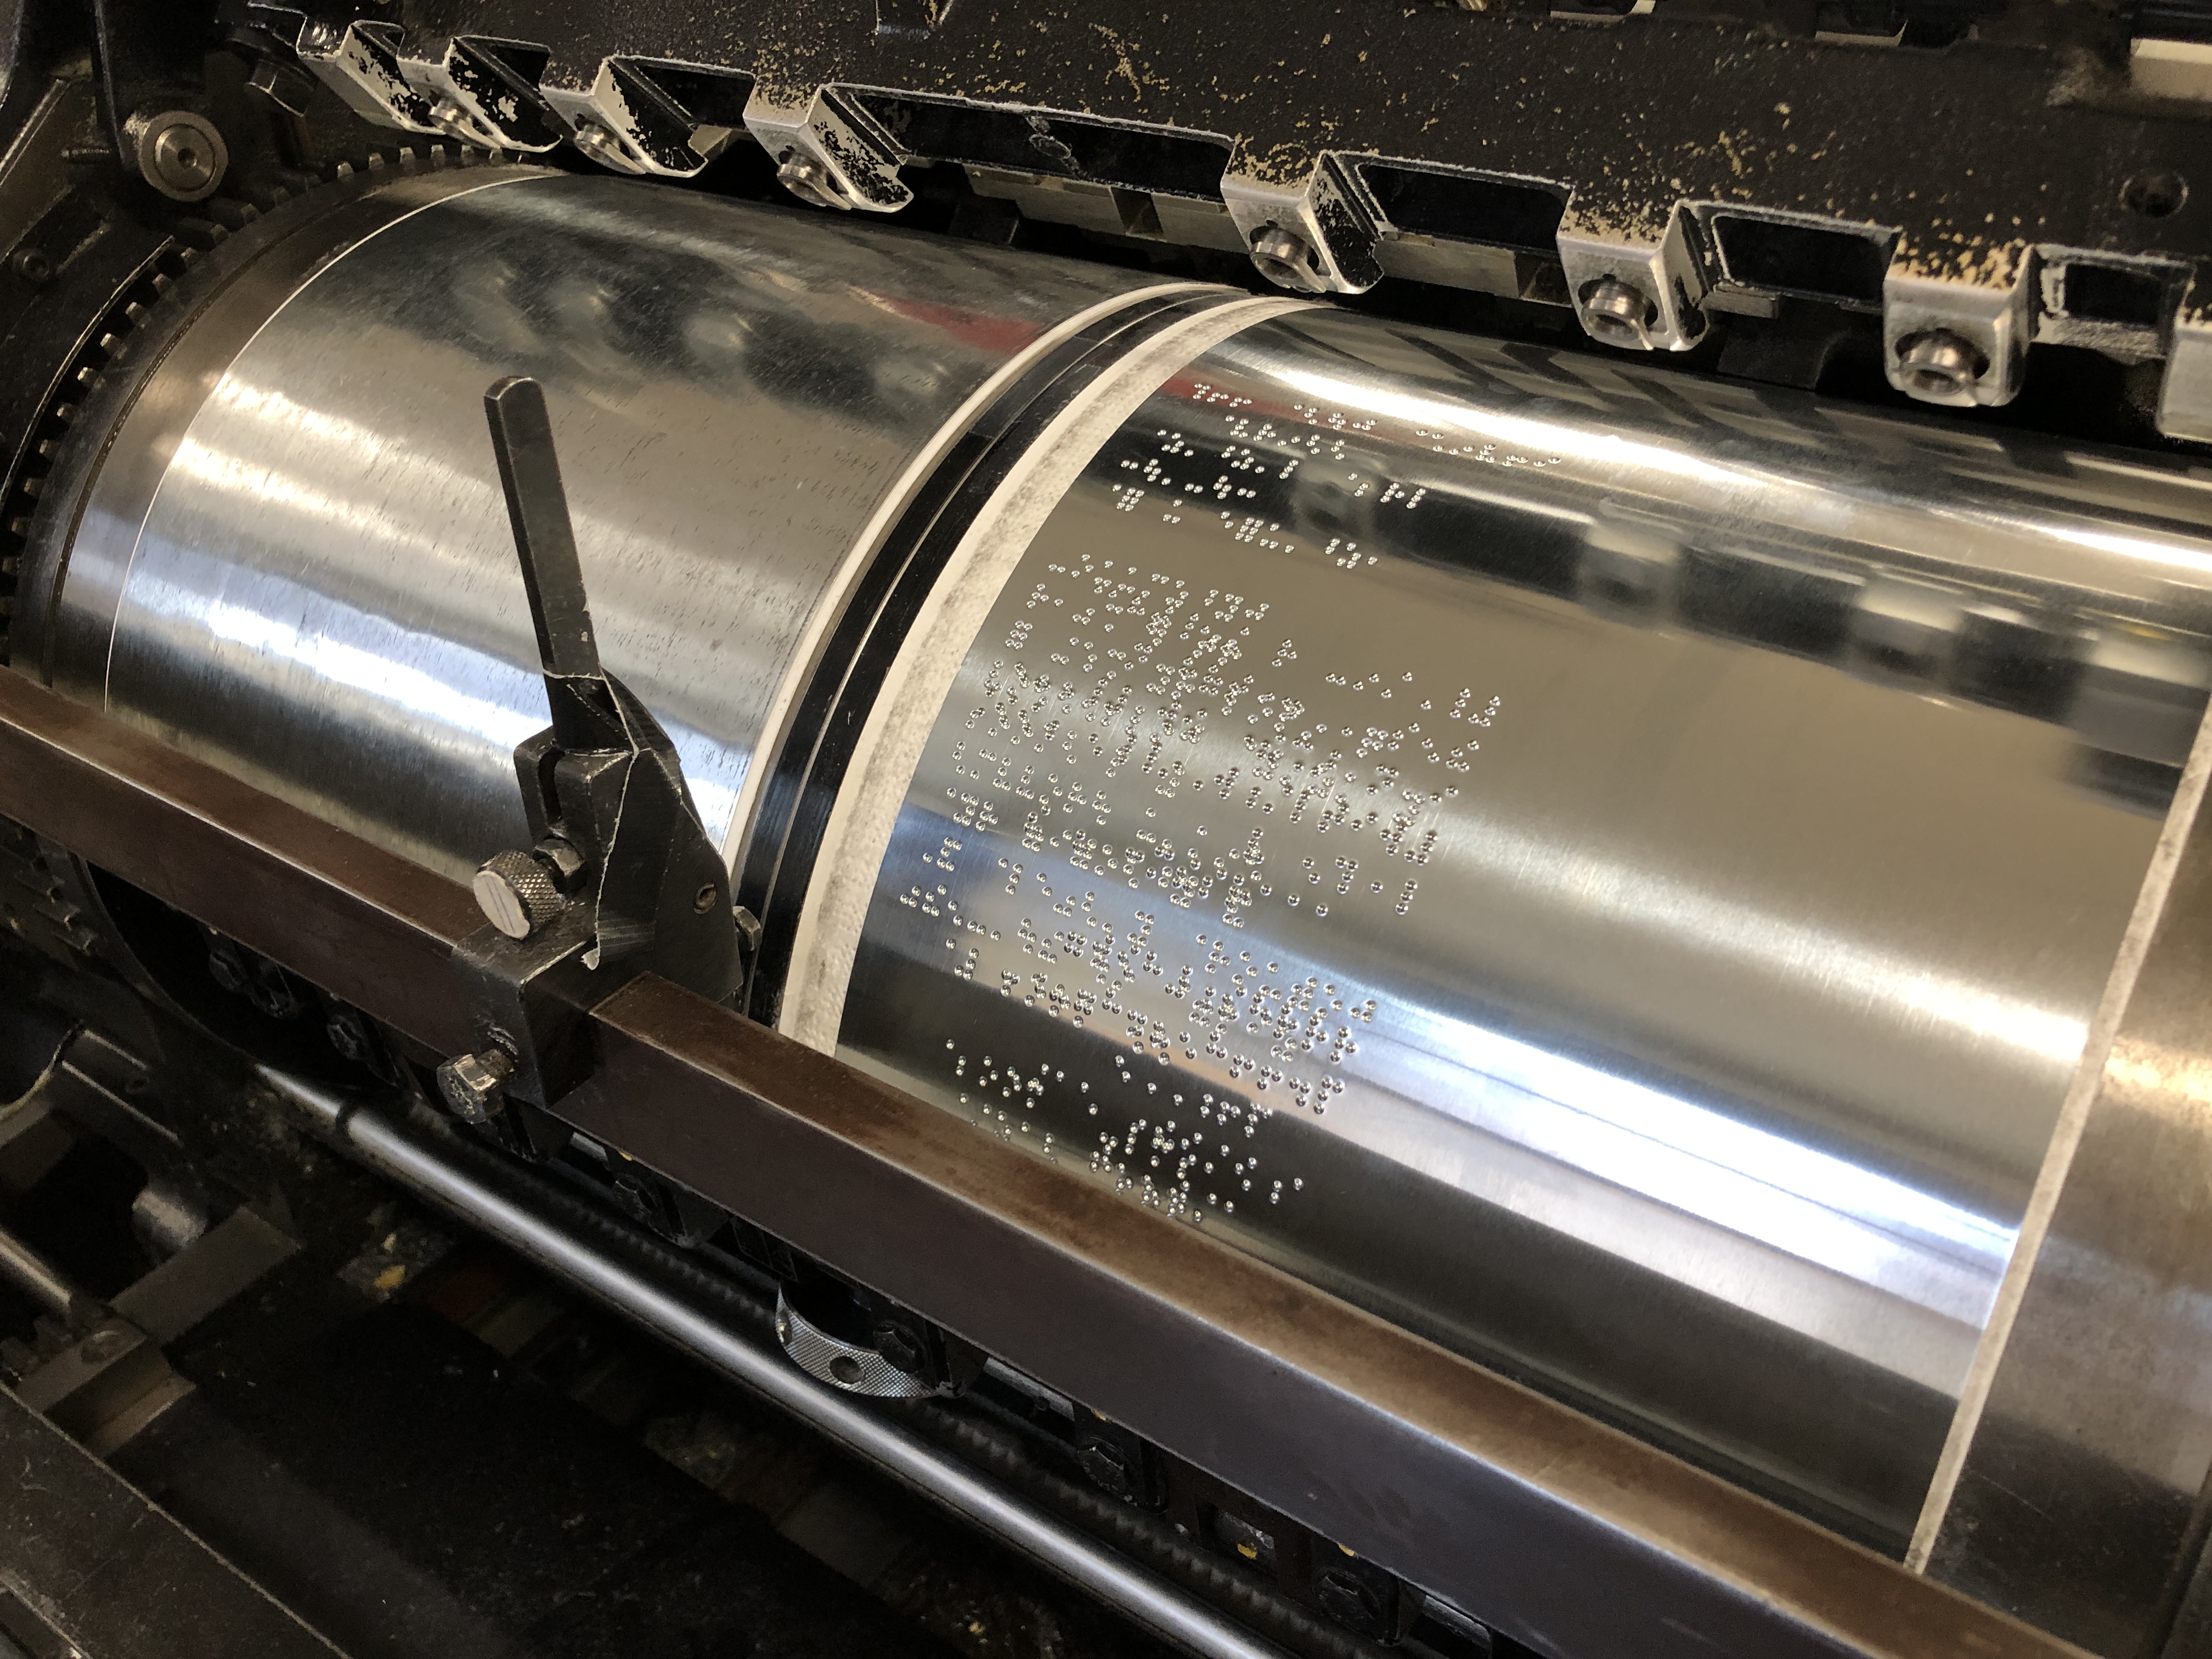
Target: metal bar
column 91, row 1556
column 360, row 922
column 416, row 1162
column 44, row 1282
column 544, row 539
column 1505, row 1502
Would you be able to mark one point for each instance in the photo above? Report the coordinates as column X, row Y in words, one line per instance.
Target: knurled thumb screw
column 516, row 893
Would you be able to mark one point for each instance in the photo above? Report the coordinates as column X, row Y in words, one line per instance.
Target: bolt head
column 1618, row 313
column 1349, row 1601
column 897, row 1345
column 33, row 266
column 1286, row 259
column 1939, row 366
column 348, row 1037
column 224, row 969
column 810, row 181
column 475, row 1085
column 1108, row 1465
column 179, row 152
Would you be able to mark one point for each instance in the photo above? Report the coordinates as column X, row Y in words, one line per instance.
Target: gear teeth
column 219, row 218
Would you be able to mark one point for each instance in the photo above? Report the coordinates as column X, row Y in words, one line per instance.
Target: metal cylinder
column 1611, row 870
column 296, row 562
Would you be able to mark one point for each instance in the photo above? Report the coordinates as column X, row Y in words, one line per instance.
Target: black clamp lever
column 620, row 878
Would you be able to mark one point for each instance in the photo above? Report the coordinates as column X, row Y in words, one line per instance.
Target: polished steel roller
column 1612, row 870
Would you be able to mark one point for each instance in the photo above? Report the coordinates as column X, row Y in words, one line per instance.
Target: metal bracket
column 1957, row 333
column 620, row 878
column 360, row 62
column 1315, row 236
column 484, row 92
column 828, row 153
column 1632, row 290
column 628, row 119
column 2185, row 394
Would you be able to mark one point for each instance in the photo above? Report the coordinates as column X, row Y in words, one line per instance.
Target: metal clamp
column 620, row 878
column 828, row 153
column 1313, row 235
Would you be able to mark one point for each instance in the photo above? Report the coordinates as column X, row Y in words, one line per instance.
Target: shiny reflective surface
column 324, row 598
column 2075, row 1488
column 1610, row 870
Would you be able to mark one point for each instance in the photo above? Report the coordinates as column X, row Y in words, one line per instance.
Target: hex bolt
column 1939, row 365
column 350, row 1037
column 178, row 152
column 1618, row 313
column 1349, row 1601
column 898, row 1344
column 1109, row 1466
column 33, row 266
column 516, row 893
column 1286, row 259
column 810, row 181
column 223, row 969
column 475, row 1085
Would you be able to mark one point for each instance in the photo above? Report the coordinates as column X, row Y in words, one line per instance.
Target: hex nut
column 1109, row 1466
column 898, row 1348
column 349, row 1035
column 1349, row 1601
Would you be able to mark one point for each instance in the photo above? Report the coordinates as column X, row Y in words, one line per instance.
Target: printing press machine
column 1379, row 822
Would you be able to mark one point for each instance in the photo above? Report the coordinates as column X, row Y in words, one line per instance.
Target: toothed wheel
column 200, row 254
